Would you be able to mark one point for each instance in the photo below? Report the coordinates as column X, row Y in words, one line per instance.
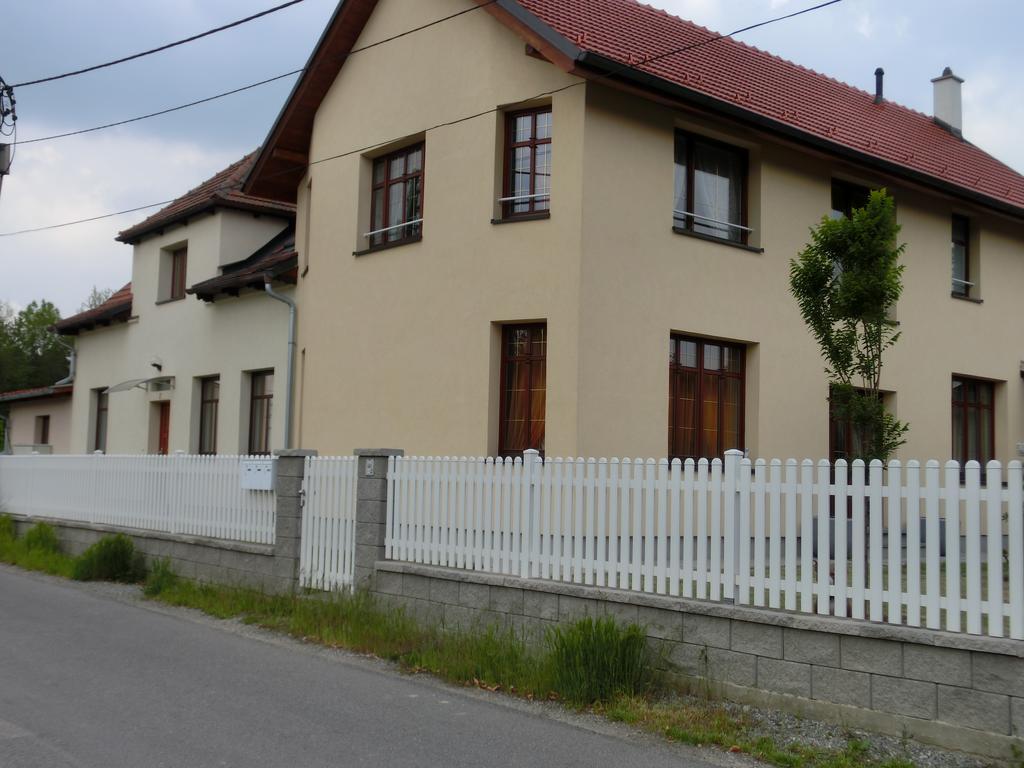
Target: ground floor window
column 43, row 430
column 523, row 388
column 209, row 400
column 99, row 442
column 261, row 399
column 973, row 407
column 706, row 393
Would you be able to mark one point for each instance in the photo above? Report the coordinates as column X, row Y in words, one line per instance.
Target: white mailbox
column 257, row 474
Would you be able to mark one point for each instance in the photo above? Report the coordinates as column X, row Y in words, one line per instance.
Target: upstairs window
column 209, row 402
column 706, row 393
column 961, row 239
column 710, row 189
column 846, row 197
column 523, row 388
column 527, row 188
column 973, row 420
column 179, row 264
column 396, row 207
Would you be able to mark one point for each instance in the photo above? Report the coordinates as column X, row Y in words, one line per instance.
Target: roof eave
column 135, row 234
column 646, row 81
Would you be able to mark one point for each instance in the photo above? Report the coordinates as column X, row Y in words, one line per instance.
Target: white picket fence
column 327, row 557
column 192, row 495
column 680, row 528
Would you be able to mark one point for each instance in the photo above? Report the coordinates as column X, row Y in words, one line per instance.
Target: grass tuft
column 36, row 551
column 42, row 537
column 161, row 578
column 593, row 661
column 112, row 558
column 7, row 529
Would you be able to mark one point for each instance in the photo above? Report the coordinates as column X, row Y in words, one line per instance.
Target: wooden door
column 165, row 428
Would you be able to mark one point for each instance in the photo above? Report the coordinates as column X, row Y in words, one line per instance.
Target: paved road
column 92, row 677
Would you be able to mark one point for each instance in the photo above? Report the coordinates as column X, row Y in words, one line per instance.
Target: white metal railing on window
column 958, row 281
column 516, row 198
column 713, row 221
column 393, row 227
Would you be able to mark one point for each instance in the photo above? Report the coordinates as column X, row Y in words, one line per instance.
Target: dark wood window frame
column 99, row 439
column 505, row 448
column 846, row 196
column 259, row 442
column 208, row 423
column 684, row 223
column 411, row 231
column 961, row 238
column 43, row 429
column 677, row 368
column 961, row 452
column 534, row 206
column 179, row 268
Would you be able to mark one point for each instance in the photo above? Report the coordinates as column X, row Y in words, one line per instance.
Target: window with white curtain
column 710, row 188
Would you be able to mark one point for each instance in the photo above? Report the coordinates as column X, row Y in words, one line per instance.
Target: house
column 568, row 225
column 38, row 420
column 190, row 355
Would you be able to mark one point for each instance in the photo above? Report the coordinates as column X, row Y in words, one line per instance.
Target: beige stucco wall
column 400, row 345
column 190, row 339
column 22, row 423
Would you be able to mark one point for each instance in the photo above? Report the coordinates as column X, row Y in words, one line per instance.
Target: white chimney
column 948, row 108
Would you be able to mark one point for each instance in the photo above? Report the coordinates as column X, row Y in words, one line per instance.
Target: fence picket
column 894, row 496
column 994, row 540
column 1015, row 555
column 951, row 507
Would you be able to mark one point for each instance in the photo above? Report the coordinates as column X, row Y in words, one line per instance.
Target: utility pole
column 8, row 127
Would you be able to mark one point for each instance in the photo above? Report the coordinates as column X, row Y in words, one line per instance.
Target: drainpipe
column 290, row 375
column 72, row 361
column 5, row 448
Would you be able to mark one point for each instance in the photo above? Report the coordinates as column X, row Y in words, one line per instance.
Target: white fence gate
column 327, row 559
column 192, row 495
column 740, row 531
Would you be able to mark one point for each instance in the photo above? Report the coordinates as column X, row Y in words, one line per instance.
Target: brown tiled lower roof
column 223, row 190
column 117, row 308
column 36, row 393
column 277, row 258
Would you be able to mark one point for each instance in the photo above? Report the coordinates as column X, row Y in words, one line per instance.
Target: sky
column 160, row 159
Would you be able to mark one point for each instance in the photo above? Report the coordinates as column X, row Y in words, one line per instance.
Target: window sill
column 170, row 301
column 527, row 217
column 720, row 241
column 388, row 246
column 971, row 299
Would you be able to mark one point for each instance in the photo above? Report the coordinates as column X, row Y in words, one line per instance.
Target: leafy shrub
column 42, row 537
column 7, row 532
column 594, row 661
column 112, row 558
column 160, row 578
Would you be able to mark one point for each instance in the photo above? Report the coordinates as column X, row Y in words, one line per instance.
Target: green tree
column 847, row 282
column 31, row 355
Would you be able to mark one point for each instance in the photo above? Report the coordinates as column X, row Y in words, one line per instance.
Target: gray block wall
column 958, row 691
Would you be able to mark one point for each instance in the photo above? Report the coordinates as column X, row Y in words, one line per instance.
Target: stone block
column 281, row 568
column 362, row 576
column 862, row 654
column 211, row 574
column 1017, row 717
column 286, row 547
column 974, row 709
column 425, row 612
column 388, row 583
column 758, row 639
column 937, row 665
column 288, row 506
column 371, row 512
column 370, row 533
column 715, row 665
column 841, row 686
column 372, row 467
column 660, row 623
column 540, row 605
column 625, row 614
column 288, row 486
column 372, row 490
column 417, row 587
column 573, row 608
column 998, row 674
column 368, row 556
column 289, row 466
column 206, row 555
column 902, row 697
column 184, row 568
column 458, row 617
column 790, row 677
column 820, row 648
column 476, row 596
column 444, row 591
column 290, row 527
column 507, row 600
column 712, row 631
column 530, row 630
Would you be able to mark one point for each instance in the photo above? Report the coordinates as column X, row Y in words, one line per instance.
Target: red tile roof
column 757, row 82
column 276, row 258
column 117, row 308
column 36, row 393
column 222, row 190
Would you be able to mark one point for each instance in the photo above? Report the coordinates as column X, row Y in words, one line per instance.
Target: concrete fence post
column 371, row 509
column 290, row 471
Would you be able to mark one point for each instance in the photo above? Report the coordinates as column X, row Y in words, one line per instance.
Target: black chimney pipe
column 879, row 77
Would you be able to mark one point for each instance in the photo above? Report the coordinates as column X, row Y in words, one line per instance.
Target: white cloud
column 77, row 178
column 865, row 26
column 994, row 111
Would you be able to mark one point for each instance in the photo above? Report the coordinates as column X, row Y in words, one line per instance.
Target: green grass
column 595, row 660
column 36, row 551
column 112, row 558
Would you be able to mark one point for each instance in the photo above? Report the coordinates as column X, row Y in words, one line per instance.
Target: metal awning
column 147, row 384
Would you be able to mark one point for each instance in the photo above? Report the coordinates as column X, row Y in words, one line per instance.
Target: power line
column 134, row 56
column 250, row 86
column 466, row 118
